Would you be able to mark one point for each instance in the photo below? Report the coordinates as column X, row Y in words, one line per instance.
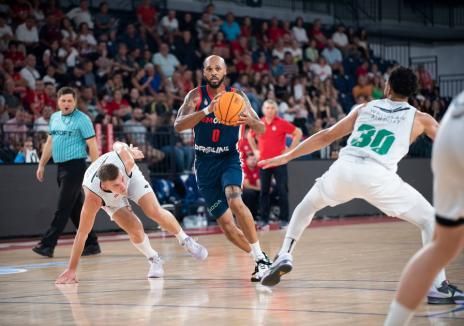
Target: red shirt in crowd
column 114, row 106
column 252, row 175
column 272, row 142
column 236, row 48
column 38, row 100
column 147, row 14
column 361, row 71
column 315, row 33
column 15, row 56
column 275, row 33
column 244, row 147
column 260, row 67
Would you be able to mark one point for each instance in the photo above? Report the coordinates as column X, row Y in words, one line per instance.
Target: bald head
column 214, row 60
column 214, row 70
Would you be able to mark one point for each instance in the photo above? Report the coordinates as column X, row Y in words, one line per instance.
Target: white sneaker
column 156, row 267
column 195, row 249
column 262, row 266
column 281, row 266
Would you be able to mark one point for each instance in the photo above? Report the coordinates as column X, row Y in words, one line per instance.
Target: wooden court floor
column 343, row 275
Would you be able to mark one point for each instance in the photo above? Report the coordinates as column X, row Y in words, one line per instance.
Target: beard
column 216, row 84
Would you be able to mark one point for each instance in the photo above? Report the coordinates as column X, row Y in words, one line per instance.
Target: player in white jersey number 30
column 108, row 184
column 381, row 132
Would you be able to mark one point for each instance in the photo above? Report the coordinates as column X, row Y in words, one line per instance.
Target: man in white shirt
column 169, row 23
column 29, row 73
column 27, row 32
column 321, row 68
column 165, row 62
column 339, row 37
column 81, row 14
column 41, row 123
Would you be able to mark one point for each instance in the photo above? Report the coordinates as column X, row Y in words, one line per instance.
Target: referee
column 70, row 131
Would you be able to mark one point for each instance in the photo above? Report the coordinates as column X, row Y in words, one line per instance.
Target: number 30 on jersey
column 379, row 141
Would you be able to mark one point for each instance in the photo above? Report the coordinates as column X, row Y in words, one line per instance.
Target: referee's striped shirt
column 69, row 133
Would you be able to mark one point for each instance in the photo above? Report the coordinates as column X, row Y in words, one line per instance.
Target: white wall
column 450, row 56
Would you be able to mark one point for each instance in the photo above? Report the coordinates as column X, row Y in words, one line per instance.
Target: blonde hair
column 271, row 102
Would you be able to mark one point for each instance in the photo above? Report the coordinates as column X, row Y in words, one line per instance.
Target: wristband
column 206, row 110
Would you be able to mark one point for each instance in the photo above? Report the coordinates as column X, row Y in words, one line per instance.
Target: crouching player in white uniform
column 448, row 198
column 381, row 133
column 108, row 183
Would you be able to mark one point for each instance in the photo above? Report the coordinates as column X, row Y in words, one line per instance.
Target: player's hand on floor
column 275, row 161
column 67, row 277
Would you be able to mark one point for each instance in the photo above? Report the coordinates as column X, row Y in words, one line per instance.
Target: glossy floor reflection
column 343, row 275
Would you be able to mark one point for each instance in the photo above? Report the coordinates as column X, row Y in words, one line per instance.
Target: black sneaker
column 446, row 294
column 282, row 265
column 92, row 249
column 261, row 267
column 43, row 250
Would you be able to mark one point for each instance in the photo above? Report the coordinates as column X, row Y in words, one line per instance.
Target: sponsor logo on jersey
column 215, row 150
column 210, row 120
column 380, row 116
column 62, row 132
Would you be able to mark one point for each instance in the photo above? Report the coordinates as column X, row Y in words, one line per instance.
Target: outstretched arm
column 92, row 204
column 187, row 118
column 424, row 124
column 249, row 116
column 316, row 142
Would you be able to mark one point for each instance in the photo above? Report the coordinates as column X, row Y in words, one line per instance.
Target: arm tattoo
column 190, row 103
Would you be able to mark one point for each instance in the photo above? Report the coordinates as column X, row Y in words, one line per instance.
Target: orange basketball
column 229, row 107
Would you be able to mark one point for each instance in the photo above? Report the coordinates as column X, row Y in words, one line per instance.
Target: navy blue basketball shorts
column 214, row 174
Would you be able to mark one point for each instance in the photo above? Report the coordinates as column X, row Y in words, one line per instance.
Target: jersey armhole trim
column 412, row 127
column 103, row 201
column 129, row 175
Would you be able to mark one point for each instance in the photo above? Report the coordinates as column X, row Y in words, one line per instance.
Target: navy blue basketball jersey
column 211, row 136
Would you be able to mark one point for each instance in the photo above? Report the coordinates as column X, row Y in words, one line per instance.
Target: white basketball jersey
column 92, row 182
column 382, row 132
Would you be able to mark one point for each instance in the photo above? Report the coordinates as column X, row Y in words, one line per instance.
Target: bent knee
column 236, row 204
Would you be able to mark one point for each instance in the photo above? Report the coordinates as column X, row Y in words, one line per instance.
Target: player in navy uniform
column 217, row 160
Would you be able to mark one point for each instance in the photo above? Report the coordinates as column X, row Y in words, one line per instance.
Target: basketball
column 229, row 107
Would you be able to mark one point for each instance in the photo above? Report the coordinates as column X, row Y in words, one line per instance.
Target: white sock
column 145, row 248
column 256, row 251
column 181, row 236
column 398, row 315
column 287, row 246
